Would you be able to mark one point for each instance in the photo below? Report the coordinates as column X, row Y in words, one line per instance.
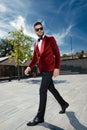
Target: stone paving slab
column 19, row 103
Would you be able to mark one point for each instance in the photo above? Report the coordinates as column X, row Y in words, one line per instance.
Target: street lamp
column 71, row 47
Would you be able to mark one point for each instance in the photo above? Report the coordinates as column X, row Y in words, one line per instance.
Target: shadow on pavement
column 60, row 81
column 33, row 81
column 38, row 81
column 75, row 122
column 50, row 126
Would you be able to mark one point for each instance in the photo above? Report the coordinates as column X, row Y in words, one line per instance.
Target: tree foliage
column 21, row 47
column 21, row 44
column 5, row 48
column 80, row 55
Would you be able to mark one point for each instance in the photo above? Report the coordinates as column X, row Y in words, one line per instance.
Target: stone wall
column 74, row 66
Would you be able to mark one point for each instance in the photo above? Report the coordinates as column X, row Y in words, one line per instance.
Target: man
column 47, row 56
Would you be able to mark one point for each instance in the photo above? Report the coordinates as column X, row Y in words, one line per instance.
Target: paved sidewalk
column 19, row 103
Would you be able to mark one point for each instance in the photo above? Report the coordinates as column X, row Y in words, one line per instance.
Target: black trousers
column 47, row 84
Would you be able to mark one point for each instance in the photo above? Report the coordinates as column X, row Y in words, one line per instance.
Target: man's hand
column 56, row 72
column 27, row 70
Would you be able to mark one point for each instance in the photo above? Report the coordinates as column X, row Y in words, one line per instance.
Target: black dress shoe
column 35, row 121
column 64, row 108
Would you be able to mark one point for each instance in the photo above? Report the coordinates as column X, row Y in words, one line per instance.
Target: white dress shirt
column 39, row 43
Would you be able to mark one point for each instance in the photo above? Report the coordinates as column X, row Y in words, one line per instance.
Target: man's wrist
column 29, row 69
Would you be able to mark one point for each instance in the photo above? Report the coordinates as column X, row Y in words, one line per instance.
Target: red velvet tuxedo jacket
column 48, row 58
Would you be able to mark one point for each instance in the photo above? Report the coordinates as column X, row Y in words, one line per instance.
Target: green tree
column 64, row 56
column 5, row 48
column 21, row 47
column 80, row 54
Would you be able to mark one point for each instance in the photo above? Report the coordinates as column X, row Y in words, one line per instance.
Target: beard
column 41, row 35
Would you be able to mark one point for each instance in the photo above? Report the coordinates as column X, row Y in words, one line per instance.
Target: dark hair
column 37, row 23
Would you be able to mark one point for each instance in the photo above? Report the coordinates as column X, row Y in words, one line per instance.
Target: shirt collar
column 40, row 38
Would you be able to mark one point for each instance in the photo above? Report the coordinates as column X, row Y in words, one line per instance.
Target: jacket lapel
column 36, row 48
column 42, row 45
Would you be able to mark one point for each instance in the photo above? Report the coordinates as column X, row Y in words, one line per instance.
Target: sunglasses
column 37, row 29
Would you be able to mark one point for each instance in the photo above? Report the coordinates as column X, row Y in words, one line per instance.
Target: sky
column 66, row 20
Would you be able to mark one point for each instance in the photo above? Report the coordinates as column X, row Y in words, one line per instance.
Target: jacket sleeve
column 56, row 52
column 34, row 60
